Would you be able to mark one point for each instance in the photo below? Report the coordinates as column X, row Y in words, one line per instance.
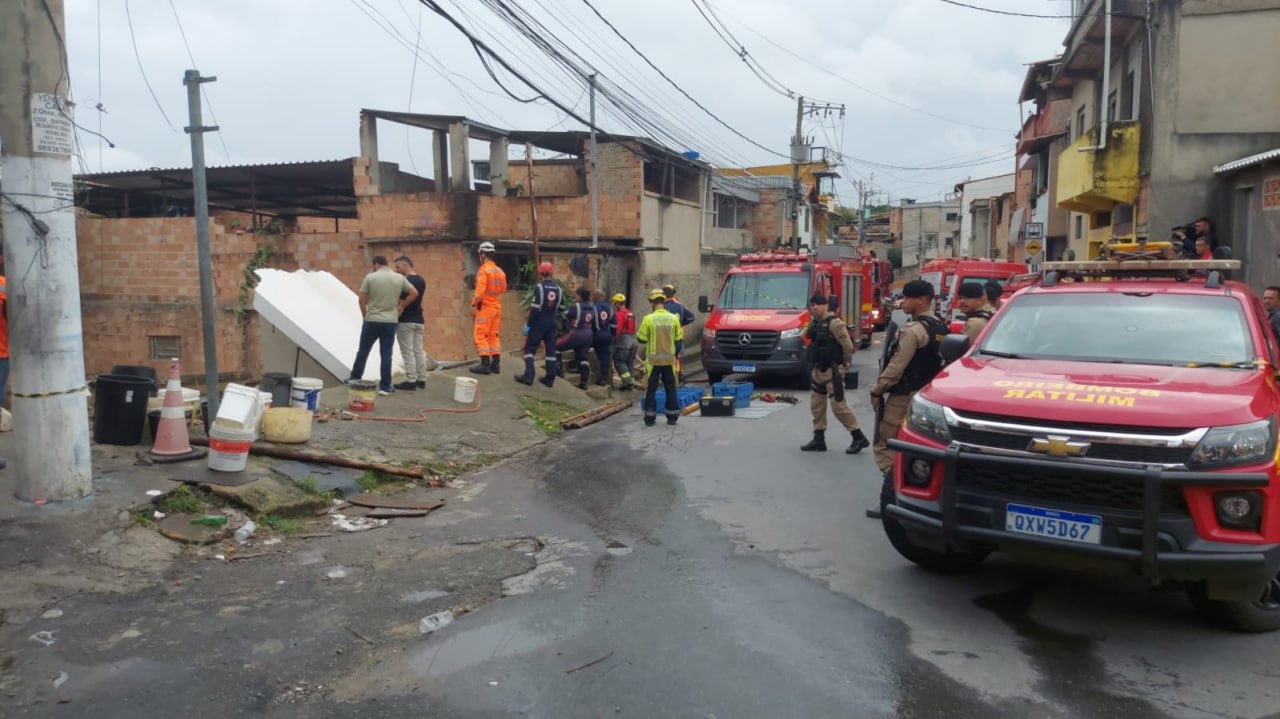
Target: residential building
column 1161, row 93
column 922, row 231
column 983, row 208
column 1251, row 191
column 1041, row 140
column 778, row 220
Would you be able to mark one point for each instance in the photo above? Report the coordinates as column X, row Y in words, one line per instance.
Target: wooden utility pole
column 51, row 458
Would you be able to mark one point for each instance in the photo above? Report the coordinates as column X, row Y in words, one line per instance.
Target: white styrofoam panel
column 321, row 315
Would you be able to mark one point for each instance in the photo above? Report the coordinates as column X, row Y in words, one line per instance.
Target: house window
column 731, row 213
column 952, row 216
column 930, row 240
column 164, row 347
column 1129, row 99
column 1113, row 105
column 1079, row 226
column 1080, row 119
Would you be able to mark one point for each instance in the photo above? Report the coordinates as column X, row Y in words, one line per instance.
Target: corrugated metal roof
column 1250, row 161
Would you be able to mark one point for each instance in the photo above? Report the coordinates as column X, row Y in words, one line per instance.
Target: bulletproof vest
column 978, row 314
column 824, row 351
column 926, row 362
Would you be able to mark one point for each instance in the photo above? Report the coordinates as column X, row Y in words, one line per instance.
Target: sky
column 923, row 82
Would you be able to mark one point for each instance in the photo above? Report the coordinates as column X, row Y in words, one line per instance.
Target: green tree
column 895, row 257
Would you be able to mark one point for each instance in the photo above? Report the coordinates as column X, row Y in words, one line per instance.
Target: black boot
column 584, row 373
column 495, row 364
column 860, row 442
column 483, row 367
column 409, row 385
column 817, row 444
column 547, row 380
column 524, row 378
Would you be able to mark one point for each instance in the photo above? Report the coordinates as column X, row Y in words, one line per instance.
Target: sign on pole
column 1035, row 255
column 1034, row 231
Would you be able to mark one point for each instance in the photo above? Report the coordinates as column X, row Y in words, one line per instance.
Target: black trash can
column 280, row 385
column 120, row 408
column 132, row 370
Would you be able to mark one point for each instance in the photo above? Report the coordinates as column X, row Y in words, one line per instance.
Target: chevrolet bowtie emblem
column 1055, row 446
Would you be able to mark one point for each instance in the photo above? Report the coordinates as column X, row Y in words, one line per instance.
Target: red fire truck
column 759, row 315
column 946, row 274
column 1120, row 425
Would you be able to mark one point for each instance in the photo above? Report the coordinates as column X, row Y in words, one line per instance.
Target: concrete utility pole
column 51, row 458
column 533, row 209
column 196, row 130
column 797, row 150
column 595, row 186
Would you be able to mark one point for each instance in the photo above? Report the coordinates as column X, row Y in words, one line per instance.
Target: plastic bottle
column 245, row 531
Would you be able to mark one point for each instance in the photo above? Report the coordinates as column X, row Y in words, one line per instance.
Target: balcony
column 1097, row 180
column 1044, row 126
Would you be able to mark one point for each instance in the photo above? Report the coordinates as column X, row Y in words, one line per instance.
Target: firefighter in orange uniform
column 491, row 282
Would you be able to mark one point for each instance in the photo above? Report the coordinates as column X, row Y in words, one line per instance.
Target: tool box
column 718, row 406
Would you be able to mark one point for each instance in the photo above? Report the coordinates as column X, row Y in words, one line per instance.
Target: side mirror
column 703, row 305
column 953, row 347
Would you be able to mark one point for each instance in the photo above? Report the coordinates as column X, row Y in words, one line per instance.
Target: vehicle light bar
column 1127, row 266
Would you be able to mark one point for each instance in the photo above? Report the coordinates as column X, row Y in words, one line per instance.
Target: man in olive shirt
column 383, row 295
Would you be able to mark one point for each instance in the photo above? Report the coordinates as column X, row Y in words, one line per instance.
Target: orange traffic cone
column 172, row 443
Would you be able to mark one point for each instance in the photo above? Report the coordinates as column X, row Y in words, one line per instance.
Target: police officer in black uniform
column 541, row 325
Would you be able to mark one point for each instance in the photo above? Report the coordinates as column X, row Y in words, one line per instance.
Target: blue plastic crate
column 740, row 391
column 685, row 396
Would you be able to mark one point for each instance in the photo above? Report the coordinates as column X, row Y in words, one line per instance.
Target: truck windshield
column 1138, row 328
column 982, row 281
column 765, row 291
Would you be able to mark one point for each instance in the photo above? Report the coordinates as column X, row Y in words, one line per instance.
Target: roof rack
column 1174, row 269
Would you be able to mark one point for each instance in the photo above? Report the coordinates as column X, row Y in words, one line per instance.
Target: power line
column 673, row 82
column 741, row 51
column 865, row 89
column 1017, row 14
column 213, row 115
column 138, row 57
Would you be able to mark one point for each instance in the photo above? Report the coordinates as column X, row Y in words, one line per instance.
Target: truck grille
column 758, row 344
column 1065, row 486
column 1097, row 450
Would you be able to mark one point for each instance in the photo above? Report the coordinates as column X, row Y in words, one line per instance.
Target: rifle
column 890, row 335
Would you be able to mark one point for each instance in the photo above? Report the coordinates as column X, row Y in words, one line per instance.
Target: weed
column 546, row 414
column 372, row 479
column 283, row 525
column 182, row 501
column 142, row 517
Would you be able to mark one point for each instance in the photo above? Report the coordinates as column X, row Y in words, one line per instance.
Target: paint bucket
column 286, row 425
column 228, row 447
column 238, row 409
column 280, row 385
column 464, row 390
column 306, row 393
column 363, row 393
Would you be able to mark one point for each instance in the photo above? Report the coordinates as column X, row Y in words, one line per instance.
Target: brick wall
column 550, row 177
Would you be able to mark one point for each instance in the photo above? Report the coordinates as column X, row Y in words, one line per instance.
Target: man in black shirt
column 409, row 330
column 1271, row 301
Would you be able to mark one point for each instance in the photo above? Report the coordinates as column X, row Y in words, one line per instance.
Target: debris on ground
column 182, row 528
column 435, row 622
column 46, row 638
column 617, row 549
column 52, row 614
column 356, row 524
column 379, row 501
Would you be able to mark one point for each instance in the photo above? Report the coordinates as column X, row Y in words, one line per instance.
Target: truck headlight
column 793, row 332
column 1237, row 444
column 928, row 419
column 709, row 334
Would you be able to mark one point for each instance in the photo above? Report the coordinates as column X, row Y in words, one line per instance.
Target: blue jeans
column 4, row 379
column 384, row 333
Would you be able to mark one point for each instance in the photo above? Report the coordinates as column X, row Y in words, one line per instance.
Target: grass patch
column 546, row 414
column 308, row 484
column 142, row 517
column 283, row 525
column 372, row 479
column 182, row 500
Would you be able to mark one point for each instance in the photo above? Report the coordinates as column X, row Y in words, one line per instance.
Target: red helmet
column 545, row 268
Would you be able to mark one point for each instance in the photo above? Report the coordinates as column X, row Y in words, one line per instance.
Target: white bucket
column 238, row 409
column 464, row 390
column 306, row 393
column 229, row 448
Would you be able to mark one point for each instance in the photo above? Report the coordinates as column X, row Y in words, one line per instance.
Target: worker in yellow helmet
column 658, row 335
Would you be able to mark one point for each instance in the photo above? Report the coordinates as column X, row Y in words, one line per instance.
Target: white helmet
column 486, row 247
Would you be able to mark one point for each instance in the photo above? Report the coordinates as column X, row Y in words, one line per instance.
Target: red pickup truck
column 1117, row 415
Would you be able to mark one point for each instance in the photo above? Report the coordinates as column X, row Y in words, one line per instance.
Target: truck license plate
column 744, row 368
column 1072, row 527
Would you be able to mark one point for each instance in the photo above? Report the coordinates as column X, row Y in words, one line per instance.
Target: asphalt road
column 752, row 585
